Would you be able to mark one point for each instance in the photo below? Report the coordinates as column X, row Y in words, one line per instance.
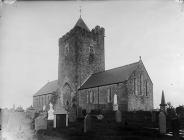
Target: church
column 84, row 84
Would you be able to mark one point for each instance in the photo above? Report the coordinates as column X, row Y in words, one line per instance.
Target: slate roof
column 80, row 23
column 50, row 87
column 111, row 76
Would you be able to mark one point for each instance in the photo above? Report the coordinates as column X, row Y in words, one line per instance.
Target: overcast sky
column 29, row 33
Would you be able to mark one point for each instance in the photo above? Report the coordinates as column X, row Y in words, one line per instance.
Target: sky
column 29, row 33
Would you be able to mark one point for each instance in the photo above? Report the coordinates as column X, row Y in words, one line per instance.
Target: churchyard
column 109, row 125
column 112, row 125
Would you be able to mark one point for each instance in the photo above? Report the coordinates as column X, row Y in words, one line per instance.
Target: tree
column 180, row 110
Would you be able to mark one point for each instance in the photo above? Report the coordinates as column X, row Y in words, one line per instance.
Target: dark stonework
column 81, row 53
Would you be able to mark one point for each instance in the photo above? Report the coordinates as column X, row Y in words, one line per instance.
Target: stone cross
column 51, row 112
column 115, row 106
column 162, row 122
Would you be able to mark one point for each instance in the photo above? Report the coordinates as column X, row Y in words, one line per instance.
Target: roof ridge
column 116, row 67
column 45, row 86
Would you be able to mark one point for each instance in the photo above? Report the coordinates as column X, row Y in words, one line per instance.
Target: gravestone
column 44, row 107
column 41, row 122
column 50, row 121
column 118, row 116
column 51, row 112
column 162, row 122
column 115, row 105
column 87, row 123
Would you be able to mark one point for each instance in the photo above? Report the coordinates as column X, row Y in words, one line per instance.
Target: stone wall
column 81, row 53
column 100, row 95
column 130, row 97
column 140, row 96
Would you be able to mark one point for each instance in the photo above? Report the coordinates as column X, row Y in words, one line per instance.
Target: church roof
column 50, row 87
column 109, row 77
column 80, row 23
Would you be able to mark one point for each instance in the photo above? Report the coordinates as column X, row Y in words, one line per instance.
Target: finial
column 80, row 11
column 139, row 57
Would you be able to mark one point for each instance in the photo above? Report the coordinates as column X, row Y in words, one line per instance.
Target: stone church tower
column 81, row 53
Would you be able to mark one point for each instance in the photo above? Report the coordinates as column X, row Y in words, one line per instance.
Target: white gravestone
column 162, row 122
column 51, row 112
column 115, row 106
column 44, row 107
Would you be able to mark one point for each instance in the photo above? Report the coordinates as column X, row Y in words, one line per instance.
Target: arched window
column 141, row 84
column 135, row 86
column 87, row 98
column 108, row 95
column 146, row 88
column 67, row 94
column 91, row 94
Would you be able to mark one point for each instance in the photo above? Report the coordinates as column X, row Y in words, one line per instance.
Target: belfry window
column 91, row 49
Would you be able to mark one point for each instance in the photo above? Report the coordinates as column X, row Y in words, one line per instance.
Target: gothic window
column 146, row 88
column 91, row 94
column 66, row 95
column 135, row 86
column 66, row 49
column 108, row 95
column 87, row 98
column 91, row 52
column 141, row 83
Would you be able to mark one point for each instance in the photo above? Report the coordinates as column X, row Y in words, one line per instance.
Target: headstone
column 51, row 112
column 115, row 105
column 44, row 107
column 118, row 116
column 40, row 123
column 87, row 123
column 162, row 122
